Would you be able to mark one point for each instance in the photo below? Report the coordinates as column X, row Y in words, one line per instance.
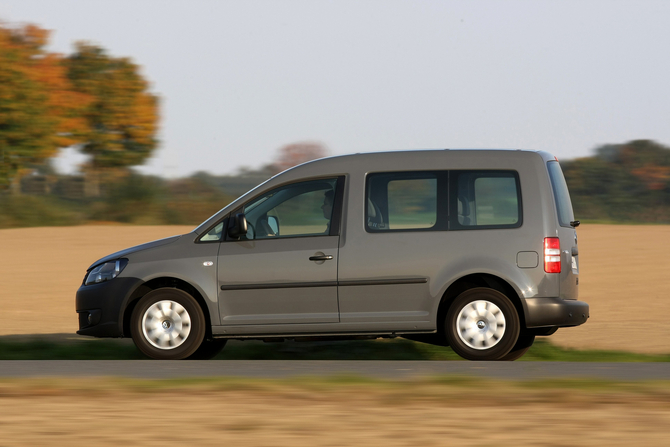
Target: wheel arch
column 159, row 283
column 472, row 281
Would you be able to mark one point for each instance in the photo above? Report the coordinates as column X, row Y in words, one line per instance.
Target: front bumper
column 555, row 312
column 100, row 306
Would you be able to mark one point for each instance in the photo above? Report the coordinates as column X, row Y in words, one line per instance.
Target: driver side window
column 296, row 210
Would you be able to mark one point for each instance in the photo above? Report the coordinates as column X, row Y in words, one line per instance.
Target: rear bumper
column 555, row 312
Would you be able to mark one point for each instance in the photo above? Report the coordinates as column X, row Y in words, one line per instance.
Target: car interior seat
column 463, row 211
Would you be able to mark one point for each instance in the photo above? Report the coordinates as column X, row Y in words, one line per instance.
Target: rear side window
column 402, row 201
column 484, row 199
column 561, row 194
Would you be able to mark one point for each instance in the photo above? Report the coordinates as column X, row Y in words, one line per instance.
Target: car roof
column 431, row 159
column 411, row 159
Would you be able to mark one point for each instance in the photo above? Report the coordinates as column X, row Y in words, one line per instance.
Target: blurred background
column 141, row 113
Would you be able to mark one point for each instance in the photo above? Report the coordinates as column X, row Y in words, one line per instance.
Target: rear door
column 386, row 263
column 569, row 276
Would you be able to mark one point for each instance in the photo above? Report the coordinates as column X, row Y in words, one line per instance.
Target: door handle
column 321, row 258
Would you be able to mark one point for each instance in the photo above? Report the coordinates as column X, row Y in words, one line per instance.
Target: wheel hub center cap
column 166, row 325
column 480, row 325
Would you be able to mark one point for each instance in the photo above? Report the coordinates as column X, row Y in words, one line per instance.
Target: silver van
column 473, row 249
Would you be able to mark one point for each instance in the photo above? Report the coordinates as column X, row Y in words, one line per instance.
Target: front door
column 285, row 269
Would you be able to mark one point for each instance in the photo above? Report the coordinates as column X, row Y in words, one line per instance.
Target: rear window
column 561, row 194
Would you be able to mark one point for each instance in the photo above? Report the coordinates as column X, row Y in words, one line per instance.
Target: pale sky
column 238, row 80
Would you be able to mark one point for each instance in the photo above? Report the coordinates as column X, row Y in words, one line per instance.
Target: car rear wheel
column 482, row 324
column 168, row 324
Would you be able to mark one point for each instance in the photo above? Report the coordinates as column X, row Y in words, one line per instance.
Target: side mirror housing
column 238, row 227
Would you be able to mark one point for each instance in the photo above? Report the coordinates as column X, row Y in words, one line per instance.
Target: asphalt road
column 149, row 369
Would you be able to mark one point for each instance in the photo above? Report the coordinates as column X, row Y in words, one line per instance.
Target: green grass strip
column 60, row 347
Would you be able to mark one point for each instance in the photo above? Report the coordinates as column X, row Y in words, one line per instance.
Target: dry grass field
column 624, row 277
column 42, row 268
column 109, row 413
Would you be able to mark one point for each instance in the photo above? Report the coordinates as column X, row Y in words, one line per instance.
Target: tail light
column 552, row 255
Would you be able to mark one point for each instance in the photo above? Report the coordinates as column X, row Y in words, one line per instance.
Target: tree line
column 99, row 104
column 52, row 199
column 625, row 183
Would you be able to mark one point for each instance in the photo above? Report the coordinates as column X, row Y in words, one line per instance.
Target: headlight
column 105, row 272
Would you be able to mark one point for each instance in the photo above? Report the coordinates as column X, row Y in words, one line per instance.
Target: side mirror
column 238, row 227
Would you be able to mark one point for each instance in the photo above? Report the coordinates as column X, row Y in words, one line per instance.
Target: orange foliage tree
column 39, row 112
column 122, row 116
column 297, row 153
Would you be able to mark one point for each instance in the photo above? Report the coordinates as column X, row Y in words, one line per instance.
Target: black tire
column 489, row 326
column 522, row 346
column 208, row 349
column 167, row 324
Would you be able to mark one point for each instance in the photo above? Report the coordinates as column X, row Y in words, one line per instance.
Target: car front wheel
column 482, row 324
column 168, row 324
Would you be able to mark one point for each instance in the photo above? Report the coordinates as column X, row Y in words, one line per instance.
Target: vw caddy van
column 473, row 249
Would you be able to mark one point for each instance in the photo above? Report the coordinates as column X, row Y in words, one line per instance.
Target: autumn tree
column 122, row 116
column 39, row 112
column 297, row 153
